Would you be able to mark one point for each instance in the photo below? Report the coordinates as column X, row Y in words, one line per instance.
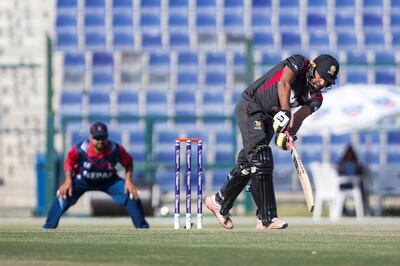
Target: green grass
column 349, row 244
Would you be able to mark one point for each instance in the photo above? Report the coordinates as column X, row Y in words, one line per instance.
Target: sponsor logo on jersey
column 257, row 124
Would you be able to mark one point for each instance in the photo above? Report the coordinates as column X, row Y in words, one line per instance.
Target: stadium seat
column 290, row 40
column 102, row 81
column 178, row 6
column 206, row 22
column 233, row 22
column 94, row 22
column 395, row 22
column 66, row 23
column 122, row 22
column 122, row 6
column 316, row 21
column 102, row 61
column 270, row 58
column 219, row 177
column 71, row 103
column 123, row 41
column 95, row 6
column 151, row 41
column 150, row 7
column 383, row 75
column 99, row 103
column 289, row 5
column 216, row 61
column 261, row 6
column 373, row 21
column 318, row 40
column 67, row 6
column 289, row 21
column 344, row 21
column 263, row 41
column 128, row 103
column 185, row 103
column 233, row 6
column 356, row 58
column 317, row 5
column 156, row 102
column 213, row 103
column 67, row 41
column 373, row 5
column 150, row 22
column 215, row 79
column 178, row 22
column 385, row 58
column 95, row 41
column 346, row 40
column 187, row 79
column 357, row 75
column 74, row 71
column 188, row 60
column 206, row 6
column 179, row 41
column 396, row 41
column 374, row 40
column 345, row 5
column 260, row 22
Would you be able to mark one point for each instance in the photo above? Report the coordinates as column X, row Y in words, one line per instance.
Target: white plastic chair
column 327, row 188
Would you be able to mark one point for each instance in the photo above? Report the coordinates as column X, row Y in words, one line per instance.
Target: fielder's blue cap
column 99, row 130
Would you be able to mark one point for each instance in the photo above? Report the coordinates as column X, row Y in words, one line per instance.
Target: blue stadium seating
column 66, row 23
column 289, row 21
column 261, row 6
column 318, row 40
column 150, row 6
column 179, row 41
column 185, row 102
column 178, row 22
column 383, row 75
column 374, row 40
column 219, row 178
column 289, row 5
column 94, row 22
column 213, row 103
column 347, row 40
column 263, row 41
column 384, row 58
column 344, row 21
column 373, row 21
column 99, row 103
column 123, row 41
column 347, row 5
column 317, row 5
column 156, row 102
column 128, row 103
column 395, row 21
column 150, row 22
column 122, row 22
column 95, row 41
column 95, row 6
column 233, row 6
column 233, row 22
column 206, row 6
column 260, row 22
column 67, row 41
column 71, row 103
column 357, row 75
column 178, row 6
column 338, row 143
column 187, row 79
column 122, row 6
column 290, row 40
column 66, row 6
column 151, row 41
column 375, row 5
column 316, row 21
column 206, row 22
column 358, row 58
column 215, row 79
column 188, row 59
column 396, row 41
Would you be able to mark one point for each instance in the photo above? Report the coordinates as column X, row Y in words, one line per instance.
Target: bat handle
column 290, row 139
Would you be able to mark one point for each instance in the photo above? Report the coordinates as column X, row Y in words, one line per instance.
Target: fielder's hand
column 281, row 140
column 281, row 121
column 65, row 190
column 132, row 190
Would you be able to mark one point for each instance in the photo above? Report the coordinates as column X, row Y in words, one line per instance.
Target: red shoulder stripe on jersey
column 274, row 79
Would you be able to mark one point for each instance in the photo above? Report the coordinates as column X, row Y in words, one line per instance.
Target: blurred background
column 155, row 70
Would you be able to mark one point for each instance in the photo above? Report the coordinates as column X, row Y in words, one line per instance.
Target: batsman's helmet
column 327, row 67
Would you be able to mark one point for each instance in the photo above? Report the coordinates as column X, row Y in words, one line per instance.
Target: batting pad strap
column 262, row 161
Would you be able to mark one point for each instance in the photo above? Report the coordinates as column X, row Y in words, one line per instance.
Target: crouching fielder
column 91, row 166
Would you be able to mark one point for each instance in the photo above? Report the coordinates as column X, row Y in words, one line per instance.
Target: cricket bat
column 301, row 173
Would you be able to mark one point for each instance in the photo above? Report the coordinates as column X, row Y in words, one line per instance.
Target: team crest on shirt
column 258, row 124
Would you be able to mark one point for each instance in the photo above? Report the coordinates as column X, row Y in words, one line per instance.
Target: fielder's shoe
column 275, row 224
column 213, row 205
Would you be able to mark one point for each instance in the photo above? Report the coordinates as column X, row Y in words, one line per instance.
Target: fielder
column 90, row 165
column 264, row 108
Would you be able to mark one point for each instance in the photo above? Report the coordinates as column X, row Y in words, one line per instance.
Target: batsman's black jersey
column 263, row 93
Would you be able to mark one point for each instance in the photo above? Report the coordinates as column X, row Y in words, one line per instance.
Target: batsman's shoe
column 275, row 224
column 213, row 205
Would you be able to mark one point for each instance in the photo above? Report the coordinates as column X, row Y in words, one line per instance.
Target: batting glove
column 281, row 140
column 281, row 121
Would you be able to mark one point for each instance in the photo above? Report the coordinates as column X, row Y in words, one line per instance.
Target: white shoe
column 275, row 224
column 213, row 205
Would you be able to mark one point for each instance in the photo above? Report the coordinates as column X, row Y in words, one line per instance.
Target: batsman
column 264, row 109
column 91, row 165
